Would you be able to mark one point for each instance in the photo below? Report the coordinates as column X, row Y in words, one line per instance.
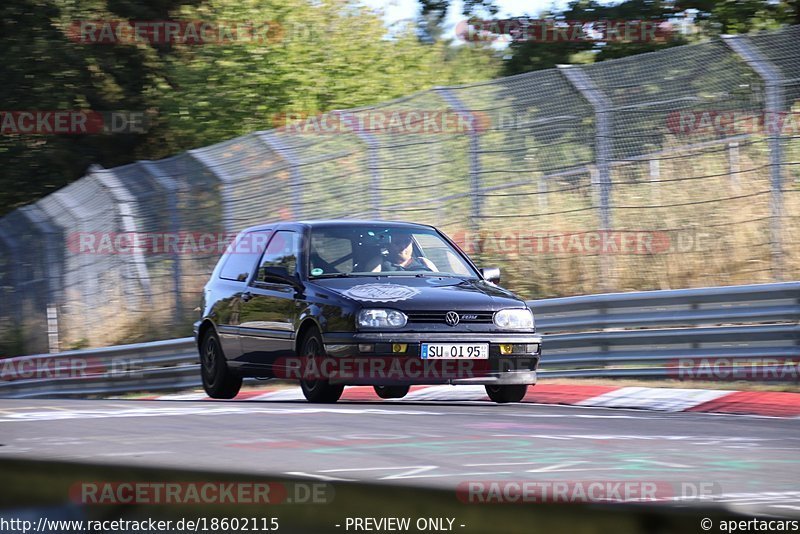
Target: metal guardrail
column 756, row 303
column 649, row 333
column 154, row 366
column 638, row 335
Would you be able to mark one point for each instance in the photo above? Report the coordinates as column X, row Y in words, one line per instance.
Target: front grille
column 438, row 317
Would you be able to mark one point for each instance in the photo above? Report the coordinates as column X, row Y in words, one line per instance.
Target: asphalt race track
column 751, row 462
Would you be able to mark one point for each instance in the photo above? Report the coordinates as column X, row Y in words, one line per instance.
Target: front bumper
column 518, row 367
column 506, row 378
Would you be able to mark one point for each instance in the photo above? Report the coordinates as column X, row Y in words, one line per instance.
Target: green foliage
column 329, row 54
column 332, row 55
column 79, row 344
column 702, row 19
column 531, row 55
column 44, row 70
column 12, row 341
column 741, row 16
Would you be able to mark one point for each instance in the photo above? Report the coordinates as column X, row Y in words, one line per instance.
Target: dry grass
column 708, row 227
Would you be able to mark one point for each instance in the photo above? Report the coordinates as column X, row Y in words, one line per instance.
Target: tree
column 44, row 70
column 740, row 16
column 322, row 55
column 705, row 17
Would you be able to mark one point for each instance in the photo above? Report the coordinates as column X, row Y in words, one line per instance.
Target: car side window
column 242, row 255
column 331, row 254
column 281, row 255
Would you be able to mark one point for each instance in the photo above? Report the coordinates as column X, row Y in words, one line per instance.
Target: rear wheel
column 218, row 381
column 318, row 391
column 504, row 394
column 391, row 392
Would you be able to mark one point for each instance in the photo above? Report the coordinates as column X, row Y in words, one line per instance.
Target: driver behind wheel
column 400, row 257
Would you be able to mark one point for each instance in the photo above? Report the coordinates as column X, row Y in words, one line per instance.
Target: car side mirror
column 491, row 274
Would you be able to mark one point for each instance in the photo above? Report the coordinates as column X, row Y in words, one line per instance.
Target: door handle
column 246, row 296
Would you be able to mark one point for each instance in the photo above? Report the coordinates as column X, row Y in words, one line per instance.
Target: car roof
column 332, row 222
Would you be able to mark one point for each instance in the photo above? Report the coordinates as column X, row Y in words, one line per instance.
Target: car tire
column 504, row 394
column 218, row 380
column 317, row 391
column 391, row 392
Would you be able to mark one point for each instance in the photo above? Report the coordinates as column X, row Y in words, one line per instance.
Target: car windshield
column 365, row 250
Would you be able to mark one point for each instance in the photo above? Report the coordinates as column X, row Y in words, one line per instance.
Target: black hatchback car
column 336, row 303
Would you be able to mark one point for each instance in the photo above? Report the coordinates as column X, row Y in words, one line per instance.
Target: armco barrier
column 637, row 335
column 645, row 334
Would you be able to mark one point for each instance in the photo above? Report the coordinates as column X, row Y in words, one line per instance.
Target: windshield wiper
column 330, row 275
column 435, row 274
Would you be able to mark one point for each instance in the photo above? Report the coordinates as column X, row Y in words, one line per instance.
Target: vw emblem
column 451, row 318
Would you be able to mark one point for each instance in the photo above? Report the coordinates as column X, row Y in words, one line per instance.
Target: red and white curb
column 765, row 403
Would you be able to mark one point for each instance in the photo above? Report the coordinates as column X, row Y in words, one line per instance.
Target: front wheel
column 218, row 381
column 391, row 392
column 504, row 394
column 317, row 391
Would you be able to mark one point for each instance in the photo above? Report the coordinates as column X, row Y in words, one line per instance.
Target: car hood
column 423, row 293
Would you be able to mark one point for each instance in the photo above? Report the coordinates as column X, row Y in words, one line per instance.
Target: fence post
column 733, row 164
column 69, row 216
column 655, row 177
column 228, row 223
column 372, row 159
column 542, row 192
column 296, row 177
column 171, row 187
column 474, row 160
column 11, row 243
column 603, row 129
column 773, row 105
column 374, row 174
column 125, row 202
column 54, row 266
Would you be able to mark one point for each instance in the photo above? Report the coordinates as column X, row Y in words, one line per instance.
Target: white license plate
column 455, row 351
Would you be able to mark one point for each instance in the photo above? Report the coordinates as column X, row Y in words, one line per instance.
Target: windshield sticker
column 381, row 292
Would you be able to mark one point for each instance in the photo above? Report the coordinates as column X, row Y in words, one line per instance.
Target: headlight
column 514, row 319
column 379, row 318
